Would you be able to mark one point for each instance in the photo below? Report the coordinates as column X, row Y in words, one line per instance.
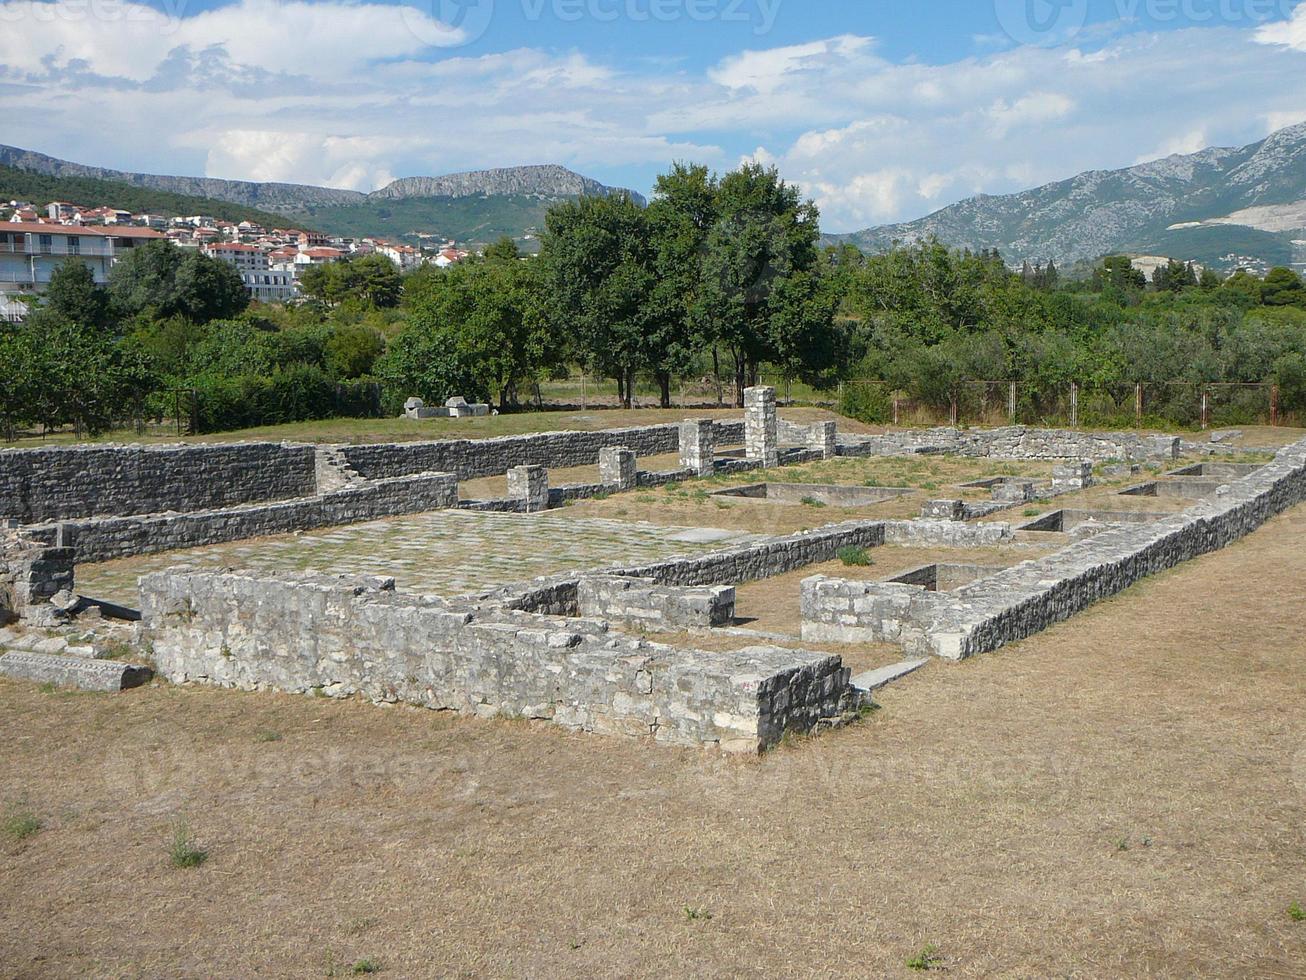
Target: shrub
column 182, row 852
column 866, row 403
column 854, row 557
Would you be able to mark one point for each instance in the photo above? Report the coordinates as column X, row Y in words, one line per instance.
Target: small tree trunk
column 716, row 373
column 664, row 382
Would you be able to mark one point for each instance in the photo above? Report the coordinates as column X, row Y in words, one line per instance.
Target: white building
column 30, row 253
column 263, row 282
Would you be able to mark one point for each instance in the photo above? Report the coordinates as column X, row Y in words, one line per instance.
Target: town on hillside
column 271, row 261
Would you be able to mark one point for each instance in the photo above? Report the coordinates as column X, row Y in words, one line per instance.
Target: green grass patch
column 854, row 557
column 927, row 959
column 183, row 851
column 20, row 823
column 1296, row 913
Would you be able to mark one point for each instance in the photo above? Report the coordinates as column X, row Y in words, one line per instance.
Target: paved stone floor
column 442, row 553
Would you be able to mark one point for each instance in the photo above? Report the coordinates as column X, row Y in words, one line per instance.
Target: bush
column 870, row 403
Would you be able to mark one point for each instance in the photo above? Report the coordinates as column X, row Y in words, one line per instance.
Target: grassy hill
column 477, row 219
column 25, row 185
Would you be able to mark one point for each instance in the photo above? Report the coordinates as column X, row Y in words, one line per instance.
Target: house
column 313, row 239
column 449, row 256
column 318, row 256
column 61, row 211
column 29, row 253
column 404, row 256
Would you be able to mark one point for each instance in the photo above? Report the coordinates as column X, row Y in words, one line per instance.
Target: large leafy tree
column 599, row 271
column 158, row 279
column 490, row 312
column 680, row 219
column 73, row 295
column 761, row 290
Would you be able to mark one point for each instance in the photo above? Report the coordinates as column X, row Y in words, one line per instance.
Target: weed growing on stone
column 116, row 650
column 182, row 852
column 19, row 823
column 813, row 502
column 854, row 557
column 927, row 959
column 697, row 913
column 1296, row 913
column 1032, row 512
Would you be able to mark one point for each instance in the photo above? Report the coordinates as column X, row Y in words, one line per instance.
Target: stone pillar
column 943, row 510
column 1015, row 492
column 698, row 446
column 821, row 438
column 760, row 439
column 617, row 468
column 1069, row 477
column 530, row 484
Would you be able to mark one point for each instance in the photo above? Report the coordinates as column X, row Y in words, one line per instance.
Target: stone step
column 875, row 679
column 76, row 672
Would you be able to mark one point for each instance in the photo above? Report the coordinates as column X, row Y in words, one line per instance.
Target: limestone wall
column 83, row 481
column 470, row 459
column 344, row 638
column 102, row 539
column 644, row 604
column 1015, row 442
column 1031, row 596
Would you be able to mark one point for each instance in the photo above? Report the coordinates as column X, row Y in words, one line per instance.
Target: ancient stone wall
column 1031, row 596
column 1015, row 442
column 642, row 603
column 31, row 573
column 473, row 458
column 102, row 539
column 84, row 481
column 361, row 638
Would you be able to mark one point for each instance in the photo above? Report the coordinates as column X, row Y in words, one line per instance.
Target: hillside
column 40, row 189
column 475, row 206
column 1246, row 201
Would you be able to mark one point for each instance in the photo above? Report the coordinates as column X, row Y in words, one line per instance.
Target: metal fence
column 1075, row 405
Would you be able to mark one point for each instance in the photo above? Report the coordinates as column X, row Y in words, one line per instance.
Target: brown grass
column 1123, row 795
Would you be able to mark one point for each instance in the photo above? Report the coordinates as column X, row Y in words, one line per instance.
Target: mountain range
column 1220, row 206
column 479, row 206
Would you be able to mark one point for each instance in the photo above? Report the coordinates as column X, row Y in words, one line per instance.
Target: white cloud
column 1290, row 33
column 347, row 93
column 767, row 70
column 129, row 40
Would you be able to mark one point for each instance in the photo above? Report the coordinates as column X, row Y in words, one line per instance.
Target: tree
column 426, row 361
column 1174, row 276
column 1118, row 272
column 352, row 350
column 680, row 217
column 504, row 250
column 1283, row 287
column 491, row 312
column 760, row 281
column 372, row 280
column 161, row 280
column 599, row 270
column 73, row 295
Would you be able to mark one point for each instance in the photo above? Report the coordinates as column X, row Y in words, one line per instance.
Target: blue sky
column 882, row 111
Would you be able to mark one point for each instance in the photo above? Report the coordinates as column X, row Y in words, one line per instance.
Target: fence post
column 954, row 409
column 1074, row 405
column 1274, row 405
column 1011, row 402
column 895, row 411
column 1206, row 407
column 1138, row 405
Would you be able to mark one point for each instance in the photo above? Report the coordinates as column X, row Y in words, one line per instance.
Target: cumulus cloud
column 350, row 92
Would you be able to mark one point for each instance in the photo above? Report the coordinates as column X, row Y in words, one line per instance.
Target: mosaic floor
column 442, row 553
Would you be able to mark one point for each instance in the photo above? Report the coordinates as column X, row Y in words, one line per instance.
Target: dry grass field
column 1123, row 795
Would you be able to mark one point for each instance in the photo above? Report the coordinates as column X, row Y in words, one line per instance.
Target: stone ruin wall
column 342, row 639
column 107, row 538
column 1027, row 598
column 39, row 485
column 470, row 459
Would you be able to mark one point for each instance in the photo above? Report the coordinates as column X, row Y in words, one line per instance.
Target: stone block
column 618, row 468
column 78, row 672
column 698, row 446
column 1068, row 477
column 761, row 439
column 529, row 484
column 943, row 510
column 823, row 438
